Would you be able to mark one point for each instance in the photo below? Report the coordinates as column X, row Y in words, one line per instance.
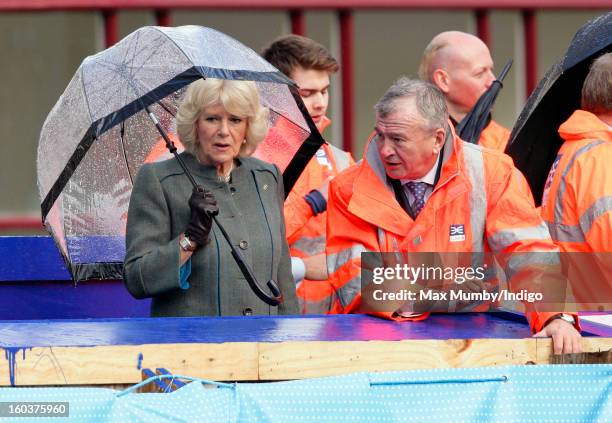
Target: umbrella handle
column 277, row 297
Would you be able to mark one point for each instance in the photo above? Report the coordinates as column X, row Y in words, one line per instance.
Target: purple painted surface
column 596, row 329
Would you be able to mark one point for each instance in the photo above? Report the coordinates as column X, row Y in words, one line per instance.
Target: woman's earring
column 244, row 141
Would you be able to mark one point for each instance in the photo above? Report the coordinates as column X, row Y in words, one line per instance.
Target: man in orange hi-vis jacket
column 310, row 65
column 460, row 65
column 577, row 199
column 417, row 184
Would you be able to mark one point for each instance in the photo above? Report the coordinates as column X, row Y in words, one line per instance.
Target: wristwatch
column 564, row 316
column 186, row 244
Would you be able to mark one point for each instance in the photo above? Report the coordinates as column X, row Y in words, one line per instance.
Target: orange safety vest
column 494, row 136
column 305, row 232
column 577, row 202
column 479, row 189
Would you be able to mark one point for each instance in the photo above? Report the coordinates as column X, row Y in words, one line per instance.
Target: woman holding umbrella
column 174, row 253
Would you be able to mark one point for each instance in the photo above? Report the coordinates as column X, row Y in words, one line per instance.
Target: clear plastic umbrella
column 98, row 134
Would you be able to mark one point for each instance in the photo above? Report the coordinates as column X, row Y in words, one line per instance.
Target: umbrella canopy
column 98, row 135
column 534, row 141
column 471, row 126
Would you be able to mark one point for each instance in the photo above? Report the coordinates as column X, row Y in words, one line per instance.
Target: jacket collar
column 584, row 125
column 206, row 171
column 323, row 124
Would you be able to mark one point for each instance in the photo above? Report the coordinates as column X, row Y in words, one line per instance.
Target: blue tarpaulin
column 579, row 393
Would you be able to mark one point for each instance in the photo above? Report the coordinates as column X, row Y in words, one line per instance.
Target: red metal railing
column 296, row 9
column 11, row 223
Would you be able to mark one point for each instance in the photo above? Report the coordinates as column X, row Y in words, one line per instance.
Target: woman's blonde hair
column 240, row 98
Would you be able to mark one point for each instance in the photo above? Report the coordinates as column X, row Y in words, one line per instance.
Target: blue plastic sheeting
column 505, row 394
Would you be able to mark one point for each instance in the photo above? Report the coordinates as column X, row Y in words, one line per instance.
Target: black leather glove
column 203, row 206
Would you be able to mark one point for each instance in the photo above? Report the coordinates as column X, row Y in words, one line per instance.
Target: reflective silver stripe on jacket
column 310, row 245
column 340, row 157
column 576, row 233
column 337, row 260
column 518, row 261
column 506, row 237
column 474, row 164
column 322, row 306
column 563, row 183
column 347, row 292
column 561, row 232
column 381, row 238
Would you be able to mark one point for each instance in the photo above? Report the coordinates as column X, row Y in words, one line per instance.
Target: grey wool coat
column 251, row 211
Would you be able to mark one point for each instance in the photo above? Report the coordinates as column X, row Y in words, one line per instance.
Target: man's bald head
column 460, row 65
column 445, row 49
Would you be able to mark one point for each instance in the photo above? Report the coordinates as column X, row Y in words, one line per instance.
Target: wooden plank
column 296, row 360
column 596, row 350
column 122, row 364
column 244, row 361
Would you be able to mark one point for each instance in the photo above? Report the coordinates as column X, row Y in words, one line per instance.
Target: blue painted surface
column 31, row 258
column 10, row 354
column 16, row 334
column 35, row 258
column 35, row 284
column 64, row 300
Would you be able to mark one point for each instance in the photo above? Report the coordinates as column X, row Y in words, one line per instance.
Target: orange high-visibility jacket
column 494, row 136
column 577, row 207
column 478, row 188
column 577, row 199
column 306, row 232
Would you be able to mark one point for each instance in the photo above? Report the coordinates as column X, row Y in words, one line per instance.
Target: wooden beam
column 595, row 350
column 267, row 361
column 298, row 360
column 121, row 364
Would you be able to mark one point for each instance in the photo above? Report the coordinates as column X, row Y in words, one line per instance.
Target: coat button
column 247, row 312
column 232, row 190
column 243, row 244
